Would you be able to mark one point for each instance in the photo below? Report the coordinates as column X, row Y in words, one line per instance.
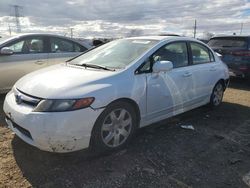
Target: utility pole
column 241, row 28
column 71, row 32
column 9, row 29
column 195, row 28
column 17, row 16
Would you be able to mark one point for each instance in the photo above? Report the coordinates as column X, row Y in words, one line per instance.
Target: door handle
column 39, row 62
column 187, row 74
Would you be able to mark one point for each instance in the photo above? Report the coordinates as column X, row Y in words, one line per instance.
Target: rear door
column 29, row 55
column 205, row 70
column 62, row 50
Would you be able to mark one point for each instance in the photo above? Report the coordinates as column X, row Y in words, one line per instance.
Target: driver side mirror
column 162, row 66
column 6, row 51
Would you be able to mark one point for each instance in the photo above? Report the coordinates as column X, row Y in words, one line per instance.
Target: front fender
column 107, row 93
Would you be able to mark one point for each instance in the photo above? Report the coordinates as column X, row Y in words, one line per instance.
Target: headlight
column 61, row 105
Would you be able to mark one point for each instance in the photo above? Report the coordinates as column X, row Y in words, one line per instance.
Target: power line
column 17, row 17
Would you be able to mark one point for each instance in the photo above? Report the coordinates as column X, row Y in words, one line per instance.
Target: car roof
column 231, row 36
column 46, row 34
column 163, row 38
column 41, row 34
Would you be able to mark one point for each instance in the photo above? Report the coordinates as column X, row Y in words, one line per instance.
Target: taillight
column 243, row 68
column 241, row 53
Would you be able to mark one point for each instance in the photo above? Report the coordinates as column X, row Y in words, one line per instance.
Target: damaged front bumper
column 50, row 131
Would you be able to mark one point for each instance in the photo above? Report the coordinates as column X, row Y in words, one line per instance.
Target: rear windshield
column 236, row 42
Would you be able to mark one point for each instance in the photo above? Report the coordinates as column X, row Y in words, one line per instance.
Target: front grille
column 22, row 97
column 21, row 129
column 29, row 103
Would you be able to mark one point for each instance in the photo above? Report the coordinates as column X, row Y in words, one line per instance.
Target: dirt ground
column 215, row 154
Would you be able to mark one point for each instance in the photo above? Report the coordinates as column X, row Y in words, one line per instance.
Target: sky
column 121, row 18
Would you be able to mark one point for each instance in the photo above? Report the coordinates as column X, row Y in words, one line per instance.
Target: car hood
column 63, row 81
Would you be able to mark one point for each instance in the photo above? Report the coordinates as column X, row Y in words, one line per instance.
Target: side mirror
column 162, row 66
column 6, row 51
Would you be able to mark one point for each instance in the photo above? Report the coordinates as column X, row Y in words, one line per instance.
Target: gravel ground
column 215, row 154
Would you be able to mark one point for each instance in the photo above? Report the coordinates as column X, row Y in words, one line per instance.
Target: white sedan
column 100, row 98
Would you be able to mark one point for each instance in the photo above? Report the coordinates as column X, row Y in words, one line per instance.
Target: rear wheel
column 114, row 128
column 217, row 95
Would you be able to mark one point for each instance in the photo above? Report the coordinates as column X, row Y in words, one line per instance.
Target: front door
column 168, row 93
column 29, row 55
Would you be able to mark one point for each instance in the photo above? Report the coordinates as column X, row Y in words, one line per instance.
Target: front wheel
column 114, row 127
column 217, row 95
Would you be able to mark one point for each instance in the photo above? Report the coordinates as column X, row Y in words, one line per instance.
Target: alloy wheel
column 218, row 94
column 116, row 127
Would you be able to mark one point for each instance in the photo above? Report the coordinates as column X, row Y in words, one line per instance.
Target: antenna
column 17, row 16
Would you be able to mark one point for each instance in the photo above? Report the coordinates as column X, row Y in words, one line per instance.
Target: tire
column 217, row 95
column 114, row 128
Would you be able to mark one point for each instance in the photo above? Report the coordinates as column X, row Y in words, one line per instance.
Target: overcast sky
column 117, row 18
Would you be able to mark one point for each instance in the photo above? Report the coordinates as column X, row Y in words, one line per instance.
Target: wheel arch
column 126, row 100
column 224, row 83
column 133, row 104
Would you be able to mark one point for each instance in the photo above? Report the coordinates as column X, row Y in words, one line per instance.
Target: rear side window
column 59, row 45
column 201, row 54
column 228, row 42
column 77, row 48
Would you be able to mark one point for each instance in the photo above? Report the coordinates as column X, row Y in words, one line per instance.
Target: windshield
column 116, row 54
column 236, row 42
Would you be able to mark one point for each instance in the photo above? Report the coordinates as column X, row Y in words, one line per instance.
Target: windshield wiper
column 81, row 54
column 94, row 66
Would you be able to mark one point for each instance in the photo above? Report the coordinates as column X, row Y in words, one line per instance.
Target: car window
column 77, row 48
column 61, row 45
column 200, row 53
column 174, row 52
column 17, row 47
column 145, row 67
column 228, row 42
column 27, row 46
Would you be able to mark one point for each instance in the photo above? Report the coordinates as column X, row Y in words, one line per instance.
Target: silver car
column 25, row 53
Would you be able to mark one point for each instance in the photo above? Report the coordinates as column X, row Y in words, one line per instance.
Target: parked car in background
column 235, row 52
column 203, row 40
column 100, row 98
column 25, row 53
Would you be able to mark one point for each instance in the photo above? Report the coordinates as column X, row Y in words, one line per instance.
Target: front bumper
column 50, row 131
